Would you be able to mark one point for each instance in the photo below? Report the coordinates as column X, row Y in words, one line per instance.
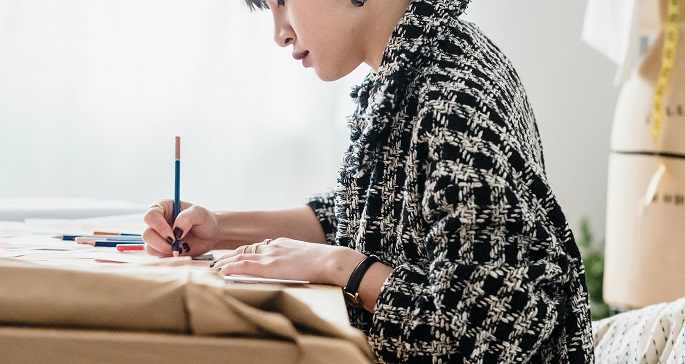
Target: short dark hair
column 256, row 4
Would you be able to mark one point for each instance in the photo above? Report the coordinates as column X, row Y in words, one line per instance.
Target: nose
column 284, row 35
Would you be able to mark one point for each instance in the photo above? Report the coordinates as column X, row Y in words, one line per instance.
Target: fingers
column 249, row 264
column 246, row 259
column 192, row 216
column 252, row 248
column 157, row 218
column 158, row 247
column 243, row 249
column 155, row 245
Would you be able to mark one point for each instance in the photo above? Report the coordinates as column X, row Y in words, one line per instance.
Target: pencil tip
column 175, row 249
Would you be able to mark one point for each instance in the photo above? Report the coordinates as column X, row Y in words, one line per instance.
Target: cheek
column 332, row 43
column 317, row 26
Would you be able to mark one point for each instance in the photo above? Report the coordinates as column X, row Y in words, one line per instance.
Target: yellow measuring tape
column 668, row 55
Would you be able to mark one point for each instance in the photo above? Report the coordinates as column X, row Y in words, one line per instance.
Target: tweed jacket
column 444, row 181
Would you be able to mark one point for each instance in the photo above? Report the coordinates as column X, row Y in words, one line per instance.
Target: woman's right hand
column 195, row 228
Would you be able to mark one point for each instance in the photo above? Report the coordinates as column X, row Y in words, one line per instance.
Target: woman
column 443, row 182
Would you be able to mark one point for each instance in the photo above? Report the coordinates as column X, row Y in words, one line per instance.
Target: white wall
column 92, row 94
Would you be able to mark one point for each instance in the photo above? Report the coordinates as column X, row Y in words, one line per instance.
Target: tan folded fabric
column 165, row 298
column 24, row 345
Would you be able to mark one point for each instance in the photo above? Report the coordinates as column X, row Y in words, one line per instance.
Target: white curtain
column 92, row 93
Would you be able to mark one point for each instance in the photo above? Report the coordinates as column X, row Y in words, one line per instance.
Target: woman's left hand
column 285, row 258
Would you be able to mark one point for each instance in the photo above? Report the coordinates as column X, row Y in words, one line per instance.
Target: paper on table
column 82, row 226
column 41, row 242
column 12, row 228
column 127, row 257
column 238, row 278
column 46, row 248
column 95, row 255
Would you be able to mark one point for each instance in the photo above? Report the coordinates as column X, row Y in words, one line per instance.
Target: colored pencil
column 111, row 244
column 85, row 239
column 177, row 192
column 127, row 247
column 73, row 237
column 106, row 233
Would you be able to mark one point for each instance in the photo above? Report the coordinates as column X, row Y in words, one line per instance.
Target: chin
column 329, row 76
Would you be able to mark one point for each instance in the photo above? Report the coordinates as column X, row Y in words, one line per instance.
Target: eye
column 280, row 2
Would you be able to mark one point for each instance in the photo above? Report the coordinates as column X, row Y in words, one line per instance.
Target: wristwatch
column 350, row 290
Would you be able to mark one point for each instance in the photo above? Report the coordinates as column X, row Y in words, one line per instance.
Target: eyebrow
column 257, row 4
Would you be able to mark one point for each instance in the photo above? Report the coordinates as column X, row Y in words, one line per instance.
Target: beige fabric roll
column 164, row 298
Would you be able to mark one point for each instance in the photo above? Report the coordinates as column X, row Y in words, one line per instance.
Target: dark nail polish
column 186, row 247
column 212, row 264
column 169, row 240
column 178, row 233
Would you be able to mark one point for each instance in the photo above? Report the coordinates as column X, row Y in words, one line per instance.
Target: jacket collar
column 378, row 97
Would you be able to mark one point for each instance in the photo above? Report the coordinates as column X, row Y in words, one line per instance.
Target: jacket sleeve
column 323, row 206
column 493, row 285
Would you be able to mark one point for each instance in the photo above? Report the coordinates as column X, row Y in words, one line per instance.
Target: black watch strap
column 350, row 290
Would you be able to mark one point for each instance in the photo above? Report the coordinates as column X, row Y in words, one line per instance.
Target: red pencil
column 127, row 247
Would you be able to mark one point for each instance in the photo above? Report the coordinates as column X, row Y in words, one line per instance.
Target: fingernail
column 178, row 233
column 186, row 247
column 169, row 240
column 212, row 264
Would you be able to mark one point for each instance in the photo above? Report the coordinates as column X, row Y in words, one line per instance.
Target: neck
column 384, row 15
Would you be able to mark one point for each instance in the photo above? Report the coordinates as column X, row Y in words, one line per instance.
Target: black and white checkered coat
column 444, row 180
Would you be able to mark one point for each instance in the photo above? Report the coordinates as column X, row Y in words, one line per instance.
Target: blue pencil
column 115, row 234
column 85, row 239
column 73, row 237
column 112, row 244
column 177, row 193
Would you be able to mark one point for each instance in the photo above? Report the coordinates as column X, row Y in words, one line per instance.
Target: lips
column 300, row 55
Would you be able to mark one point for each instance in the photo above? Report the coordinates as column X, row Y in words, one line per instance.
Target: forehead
column 257, row 4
